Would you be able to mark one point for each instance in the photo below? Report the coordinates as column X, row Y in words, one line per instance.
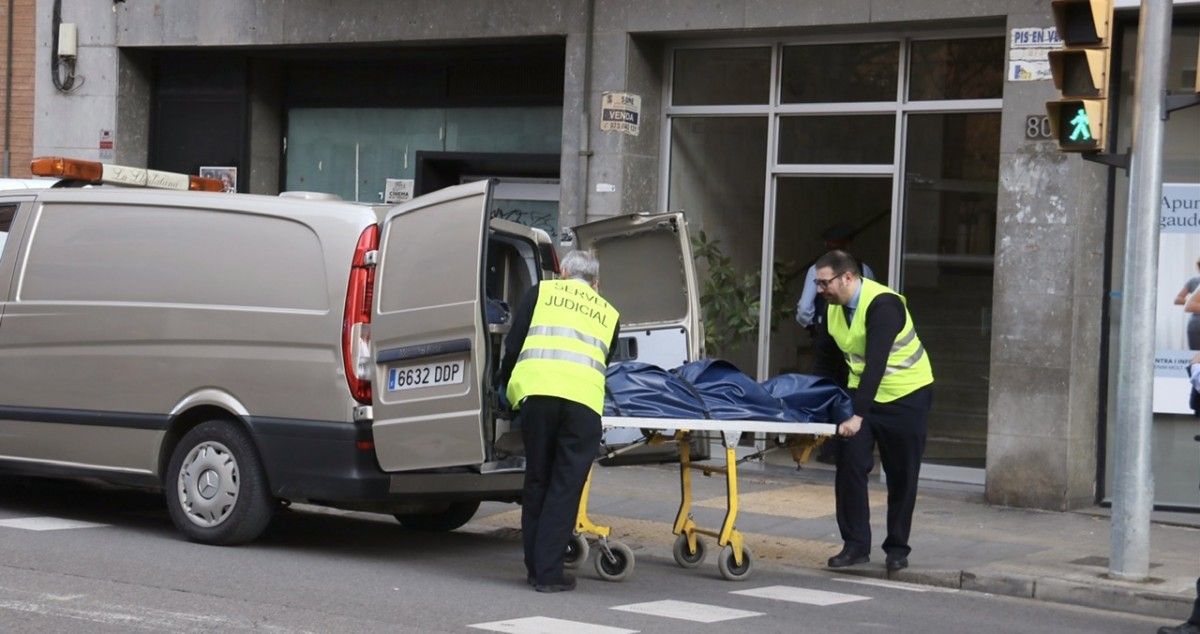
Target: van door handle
column 435, row 349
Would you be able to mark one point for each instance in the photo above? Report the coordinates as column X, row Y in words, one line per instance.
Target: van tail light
column 98, row 173
column 356, row 324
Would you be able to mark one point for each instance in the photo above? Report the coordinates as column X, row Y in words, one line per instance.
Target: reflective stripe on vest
column 561, row 355
column 556, row 331
column 565, row 350
column 908, row 367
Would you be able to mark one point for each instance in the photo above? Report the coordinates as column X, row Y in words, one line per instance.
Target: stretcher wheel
column 619, row 567
column 577, row 552
column 731, row 570
column 683, row 557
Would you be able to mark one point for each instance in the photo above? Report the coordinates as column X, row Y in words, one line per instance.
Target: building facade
column 17, row 46
column 916, row 127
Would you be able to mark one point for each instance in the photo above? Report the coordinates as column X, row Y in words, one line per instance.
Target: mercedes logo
column 207, row 484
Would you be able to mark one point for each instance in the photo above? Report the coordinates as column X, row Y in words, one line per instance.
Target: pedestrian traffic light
column 1079, row 120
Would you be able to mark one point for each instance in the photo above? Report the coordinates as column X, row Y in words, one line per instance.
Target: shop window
column 832, row 73
column 718, row 166
column 837, row 139
column 721, row 76
column 1174, row 461
column 956, row 69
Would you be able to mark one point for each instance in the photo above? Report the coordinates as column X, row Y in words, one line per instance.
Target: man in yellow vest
column 556, row 354
column 869, row 328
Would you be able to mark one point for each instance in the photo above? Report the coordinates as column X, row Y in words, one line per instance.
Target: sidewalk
column 958, row 540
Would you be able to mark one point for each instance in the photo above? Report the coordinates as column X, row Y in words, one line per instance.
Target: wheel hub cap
column 208, row 484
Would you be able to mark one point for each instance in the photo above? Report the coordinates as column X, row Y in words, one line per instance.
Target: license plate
column 411, row 377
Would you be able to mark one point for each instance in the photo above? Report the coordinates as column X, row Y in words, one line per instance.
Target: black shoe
column 896, row 563
column 529, row 580
column 848, row 557
column 565, row 586
column 1182, row 628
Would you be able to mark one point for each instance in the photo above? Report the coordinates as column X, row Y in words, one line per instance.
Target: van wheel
column 455, row 515
column 216, row 489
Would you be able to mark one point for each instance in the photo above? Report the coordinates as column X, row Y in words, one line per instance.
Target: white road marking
column 547, row 625
column 896, row 585
column 46, row 524
column 78, row 608
column 687, row 611
column 801, row 595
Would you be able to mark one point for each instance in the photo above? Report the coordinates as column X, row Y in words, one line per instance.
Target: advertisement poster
column 227, row 176
column 1027, row 53
column 397, row 190
column 1177, row 327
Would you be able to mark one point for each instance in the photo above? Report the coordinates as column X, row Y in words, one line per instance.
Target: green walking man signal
column 1082, row 130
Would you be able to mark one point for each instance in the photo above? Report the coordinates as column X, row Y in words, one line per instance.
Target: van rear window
column 114, row 253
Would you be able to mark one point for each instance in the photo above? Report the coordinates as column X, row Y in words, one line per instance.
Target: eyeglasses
column 825, row 283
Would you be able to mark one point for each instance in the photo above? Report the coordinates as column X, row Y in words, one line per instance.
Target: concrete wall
column 1048, row 285
column 1048, row 291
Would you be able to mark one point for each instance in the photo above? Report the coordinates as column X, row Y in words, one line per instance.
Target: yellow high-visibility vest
column 908, row 367
column 565, row 352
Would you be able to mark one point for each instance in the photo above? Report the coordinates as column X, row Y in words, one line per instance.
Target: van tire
column 457, row 514
column 223, row 454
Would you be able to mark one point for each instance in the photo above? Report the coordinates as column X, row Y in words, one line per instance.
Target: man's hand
column 850, row 426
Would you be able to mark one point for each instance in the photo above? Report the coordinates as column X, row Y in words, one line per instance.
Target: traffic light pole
column 1133, row 482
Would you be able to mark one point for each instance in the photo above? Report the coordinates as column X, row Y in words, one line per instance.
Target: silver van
column 236, row 351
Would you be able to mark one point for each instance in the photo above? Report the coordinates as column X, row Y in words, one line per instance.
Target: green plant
column 730, row 300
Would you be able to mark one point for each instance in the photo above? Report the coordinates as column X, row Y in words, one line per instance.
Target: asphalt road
column 77, row 557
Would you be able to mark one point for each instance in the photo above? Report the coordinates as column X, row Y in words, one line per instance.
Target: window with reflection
column 718, row 166
column 837, row 139
column 951, row 171
column 956, row 69
column 832, row 73
column 721, row 76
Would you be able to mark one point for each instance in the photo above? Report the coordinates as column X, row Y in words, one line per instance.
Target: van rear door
column 647, row 273
column 427, row 331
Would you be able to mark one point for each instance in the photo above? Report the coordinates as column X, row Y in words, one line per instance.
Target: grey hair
column 580, row 265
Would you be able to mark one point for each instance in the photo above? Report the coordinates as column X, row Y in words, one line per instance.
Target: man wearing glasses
column 869, row 328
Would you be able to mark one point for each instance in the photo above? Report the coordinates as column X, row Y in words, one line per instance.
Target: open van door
column 648, row 274
column 427, row 331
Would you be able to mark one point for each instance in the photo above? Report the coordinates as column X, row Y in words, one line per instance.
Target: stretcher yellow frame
column 735, row 558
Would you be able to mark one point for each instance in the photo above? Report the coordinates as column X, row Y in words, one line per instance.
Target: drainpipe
column 585, row 115
column 8, row 76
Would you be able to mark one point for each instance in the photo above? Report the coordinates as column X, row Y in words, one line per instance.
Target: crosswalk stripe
column 801, row 595
column 46, row 524
column 547, row 625
column 687, row 611
column 897, row 585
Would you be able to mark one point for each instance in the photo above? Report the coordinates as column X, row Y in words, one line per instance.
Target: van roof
column 8, row 184
column 245, row 203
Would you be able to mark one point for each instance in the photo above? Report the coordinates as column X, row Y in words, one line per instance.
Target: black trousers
column 898, row 428
column 562, row 438
column 1194, row 619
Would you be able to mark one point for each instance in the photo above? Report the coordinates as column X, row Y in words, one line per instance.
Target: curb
column 1047, row 589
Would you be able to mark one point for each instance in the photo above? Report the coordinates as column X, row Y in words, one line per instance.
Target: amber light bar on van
column 107, row 174
column 356, row 323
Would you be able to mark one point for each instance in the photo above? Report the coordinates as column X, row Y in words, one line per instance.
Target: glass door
column 809, row 211
column 949, row 242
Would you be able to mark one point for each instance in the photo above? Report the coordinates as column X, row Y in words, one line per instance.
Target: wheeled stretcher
column 615, row 561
